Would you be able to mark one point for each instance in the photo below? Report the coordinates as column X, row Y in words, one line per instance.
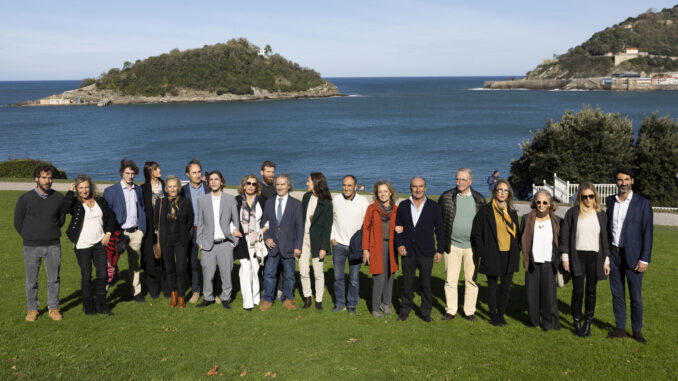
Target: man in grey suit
column 217, row 235
column 284, row 238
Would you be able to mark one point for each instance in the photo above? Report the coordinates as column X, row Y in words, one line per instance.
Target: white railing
column 559, row 193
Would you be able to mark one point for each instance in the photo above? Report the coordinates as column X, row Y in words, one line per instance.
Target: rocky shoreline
column 618, row 84
column 90, row 96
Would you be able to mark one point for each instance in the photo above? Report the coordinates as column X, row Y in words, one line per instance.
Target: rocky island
column 234, row 71
column 638, row 54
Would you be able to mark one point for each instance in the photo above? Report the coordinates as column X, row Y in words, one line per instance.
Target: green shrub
column 87, row 81
column 23, row 168
column 657, row 160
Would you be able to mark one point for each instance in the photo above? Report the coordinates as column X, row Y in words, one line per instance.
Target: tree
column 267, row 49
column 657, row 160
column 583, row 146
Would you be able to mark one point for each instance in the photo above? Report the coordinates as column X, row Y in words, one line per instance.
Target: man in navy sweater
column 38, row 219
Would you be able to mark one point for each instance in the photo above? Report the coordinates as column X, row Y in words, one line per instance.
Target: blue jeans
column 619, row 274
column 339, row 257
column 270, row 270
column 33, row 257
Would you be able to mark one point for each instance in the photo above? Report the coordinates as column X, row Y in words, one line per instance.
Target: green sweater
column 463, row 220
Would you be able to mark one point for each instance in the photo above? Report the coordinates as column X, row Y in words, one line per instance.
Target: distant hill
column 235, row 67
column 653, row 34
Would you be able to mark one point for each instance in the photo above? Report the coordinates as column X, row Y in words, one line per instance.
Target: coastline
column 594, row 83
column 89, row 96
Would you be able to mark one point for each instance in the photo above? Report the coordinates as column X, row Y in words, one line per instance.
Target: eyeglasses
column 501, row 190
column 251, row 183
column 588, row 196
column 541, row 202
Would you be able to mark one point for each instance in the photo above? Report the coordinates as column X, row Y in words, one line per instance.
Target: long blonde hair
column 82, row 178
column 583, row 210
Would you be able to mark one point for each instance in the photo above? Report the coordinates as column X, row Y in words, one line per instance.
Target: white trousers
column 305, row 272
column 249, row 282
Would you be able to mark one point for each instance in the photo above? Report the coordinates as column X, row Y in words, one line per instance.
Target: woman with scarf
column 173, row 217
column 153, row 189
column 250, row 206
column 494, row 236
column 540, row 228
column 378, row 246
column 585, row 253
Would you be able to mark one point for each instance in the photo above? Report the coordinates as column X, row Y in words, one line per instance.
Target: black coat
column 320, row 229
column 149, row 237
column 73, row 206
column 486, row 247
column 421, row 240
column 241, row 251
column 185, row 219
column 448, row 207
column 568, row 242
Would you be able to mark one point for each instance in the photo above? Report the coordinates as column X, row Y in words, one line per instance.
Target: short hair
column 82, row 178
column 241, row 187
column 172, row 178
column 552, row 204
column 417, row 177
column 351, row 176
column 509, row 200
column 126, row 163
column 221, row 177
column 267, row 163
column 320, row 188
column 467, row 170
column 287, row 179
column 584, row 186
column 625, row 170
column 149, row 167
column 44, row 168
column 375, row 190
column 193, row 161
column 496, row 171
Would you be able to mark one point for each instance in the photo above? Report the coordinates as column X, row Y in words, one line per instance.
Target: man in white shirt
column 349, row 212
column 217, row 235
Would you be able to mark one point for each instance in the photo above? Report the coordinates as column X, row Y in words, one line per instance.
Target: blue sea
column 391, row 128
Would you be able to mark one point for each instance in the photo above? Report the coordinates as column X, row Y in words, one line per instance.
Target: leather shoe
column 265, row 305
column 471, row 318
column 32, row 315
column 427, row 319
column 448, row 316
column 338, row 309
column 173, row 298
column 639, row 337
column 205, row 303
column 618, row 333
column 194, row 298
column 289, row 304
column 226, row 304
column 181, row 303
column 351, row 310
column 54, row 314
column 319, row 306
column 139, row 298
column 307, row 302
column 402, row 317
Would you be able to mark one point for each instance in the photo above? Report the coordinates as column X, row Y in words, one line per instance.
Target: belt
column 219, row 241
column 617, row 249
column 195, row 228
column 131, row 230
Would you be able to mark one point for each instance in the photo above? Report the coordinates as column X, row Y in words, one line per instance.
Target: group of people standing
column 166, row 226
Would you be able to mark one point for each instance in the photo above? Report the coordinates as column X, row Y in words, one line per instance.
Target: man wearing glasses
column 459, row 206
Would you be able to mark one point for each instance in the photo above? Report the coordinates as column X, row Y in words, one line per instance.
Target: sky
column 48, row 40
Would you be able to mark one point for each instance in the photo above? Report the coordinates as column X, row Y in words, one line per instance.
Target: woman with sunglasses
column 494, row 236
column 585, row 253
column 153, row 189
column 539, row 240
column 250, row 204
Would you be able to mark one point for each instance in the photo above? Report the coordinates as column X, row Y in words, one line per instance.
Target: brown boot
column 289, row 304
column 173, row 299
column 180, row 302
column 265, row 305
column 32, row 315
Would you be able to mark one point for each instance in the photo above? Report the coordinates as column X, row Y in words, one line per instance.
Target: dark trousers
column 589, row 260
column 504, row 286
column 174, row 256
column 194, row 264
column 619, row 274
column 410, row 264
column 540, row 285
column 97, row 255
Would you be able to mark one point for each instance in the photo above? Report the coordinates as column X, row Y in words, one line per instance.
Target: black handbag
column 355, row 248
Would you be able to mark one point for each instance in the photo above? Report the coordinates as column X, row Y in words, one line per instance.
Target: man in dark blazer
column 127, row 203
column 284, row 239
column 630, row 220
column 421, row 221
column 192, row 191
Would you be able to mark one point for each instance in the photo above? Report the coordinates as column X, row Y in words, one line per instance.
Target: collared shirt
column 618, row 217
column 130, row 206
column 216, row 211
column 284, row 203
column 348, row 217
column 196, row 193
column 43, row 196
column 416, row 213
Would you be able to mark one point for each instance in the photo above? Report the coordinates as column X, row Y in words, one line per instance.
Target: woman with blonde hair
column 585, row 253
column 378, row 246
column 91, row 226
column 539, row 240
column 495, row 237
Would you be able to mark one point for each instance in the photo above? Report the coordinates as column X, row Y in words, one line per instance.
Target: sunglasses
column 251, row 183
column 588, row 196
column 541, row 202
column 501, row 190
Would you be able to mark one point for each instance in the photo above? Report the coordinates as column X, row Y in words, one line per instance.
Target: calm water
column 392, row 128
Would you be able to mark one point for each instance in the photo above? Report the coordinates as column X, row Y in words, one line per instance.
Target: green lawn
column 154, row 341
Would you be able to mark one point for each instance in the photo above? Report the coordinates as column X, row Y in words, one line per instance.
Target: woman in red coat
column 378, row 247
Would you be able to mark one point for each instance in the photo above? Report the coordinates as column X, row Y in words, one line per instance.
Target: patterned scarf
column 384, row 212
column 174, row 207
column 503, row 212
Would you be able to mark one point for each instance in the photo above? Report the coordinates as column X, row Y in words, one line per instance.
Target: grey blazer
column 228, row 214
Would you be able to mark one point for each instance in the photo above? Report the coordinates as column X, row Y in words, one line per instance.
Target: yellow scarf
column 506, row 228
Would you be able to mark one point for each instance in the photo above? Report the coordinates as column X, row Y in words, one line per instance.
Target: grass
column 154, row 341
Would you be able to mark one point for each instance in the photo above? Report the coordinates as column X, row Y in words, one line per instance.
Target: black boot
column 88, row 305
column 307, row 302
column 586, row 328
column 101, row 306
column 576, row 321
